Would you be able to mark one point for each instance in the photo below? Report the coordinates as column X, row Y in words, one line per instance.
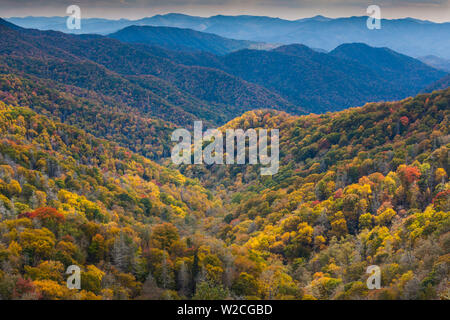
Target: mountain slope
column 390, row 65
column 436, row 62
column 154, row 86
column 100, row 115
column 181, row 39
column 387, row 133
column 89, row 25
column 318, row 81
column 355, row 188
column 68, row 198
column 351, row 74
column 287, row 78
column 439, row 85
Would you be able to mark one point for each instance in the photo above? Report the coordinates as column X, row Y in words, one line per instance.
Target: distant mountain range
column 400, row 35
column 440, row 84
column 349, row 75
column 152, row 85
column 179, row 86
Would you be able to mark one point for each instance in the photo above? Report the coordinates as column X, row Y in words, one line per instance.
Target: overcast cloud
column 435, row 10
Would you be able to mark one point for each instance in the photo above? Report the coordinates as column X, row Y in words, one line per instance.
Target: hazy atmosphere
column 435, row 10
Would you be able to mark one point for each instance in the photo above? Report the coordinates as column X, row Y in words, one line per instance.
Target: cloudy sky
column 434, row 10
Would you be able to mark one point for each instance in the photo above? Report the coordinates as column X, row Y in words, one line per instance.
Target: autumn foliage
column 353, row 190
column 48, row 215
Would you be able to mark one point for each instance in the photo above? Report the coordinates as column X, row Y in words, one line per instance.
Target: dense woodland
column 182, row 39
column 96, row 113
column 372, row 190
column 86, row 179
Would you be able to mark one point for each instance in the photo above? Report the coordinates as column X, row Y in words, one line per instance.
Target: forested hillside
column 68, row 198
column 436, row 62
column 439, row 85
column 359, row 187
column 83, row 118
column 409, row 36
column 365, row 186
column 153, row 86
column 182, row 39
column 98, row 114
column 348, row 76
column 181, row 87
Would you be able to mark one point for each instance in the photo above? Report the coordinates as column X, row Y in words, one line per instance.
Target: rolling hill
column 182, row 86
column 306, row 77
column 73, row 199
column 436, row 62
column 130, row 78
column 182, row 39
column 363, row 186
column 357, row 187
column 439, row 85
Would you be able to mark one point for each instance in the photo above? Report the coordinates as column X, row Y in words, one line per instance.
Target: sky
column 433, row 10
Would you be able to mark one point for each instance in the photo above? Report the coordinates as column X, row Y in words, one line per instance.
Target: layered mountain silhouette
column 400, row 35
column 439, row 85
column 349, row 75
column 181, row 86
column 153, row 85
column 318, row 81
column 436, row 62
